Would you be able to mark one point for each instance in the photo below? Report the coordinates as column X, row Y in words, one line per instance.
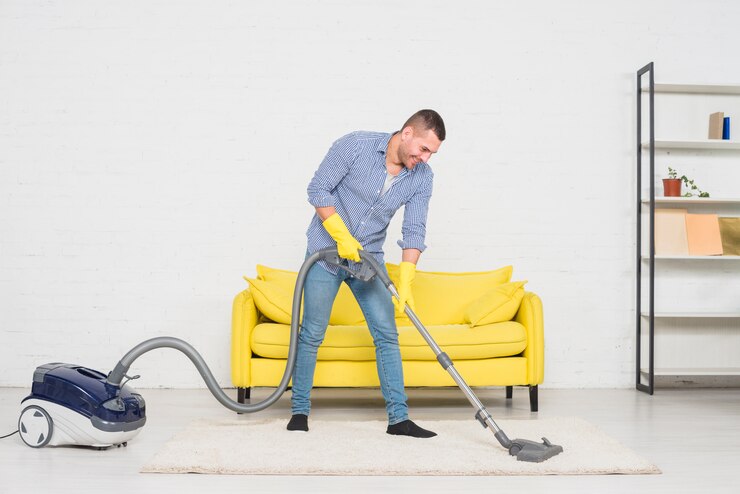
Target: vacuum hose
column 366, row 271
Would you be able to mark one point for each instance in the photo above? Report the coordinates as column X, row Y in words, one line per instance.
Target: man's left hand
column 407, row 273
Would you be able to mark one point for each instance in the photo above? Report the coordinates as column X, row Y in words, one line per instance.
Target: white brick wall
column 151, row 153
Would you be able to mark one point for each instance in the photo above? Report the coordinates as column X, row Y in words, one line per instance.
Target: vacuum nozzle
column 532, row 451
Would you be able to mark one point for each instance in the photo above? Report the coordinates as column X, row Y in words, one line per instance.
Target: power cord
column 8, row 435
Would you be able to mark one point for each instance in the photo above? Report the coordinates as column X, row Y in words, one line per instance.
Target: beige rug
column 253, row 446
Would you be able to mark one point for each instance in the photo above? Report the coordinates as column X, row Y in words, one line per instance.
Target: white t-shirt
column 389, row 179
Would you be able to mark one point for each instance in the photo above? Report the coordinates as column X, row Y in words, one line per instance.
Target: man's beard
column 404, row 157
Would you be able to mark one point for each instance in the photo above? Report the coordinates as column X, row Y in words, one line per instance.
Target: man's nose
column 425, row 156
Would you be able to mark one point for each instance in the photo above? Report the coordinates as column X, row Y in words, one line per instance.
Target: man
column 364, row 179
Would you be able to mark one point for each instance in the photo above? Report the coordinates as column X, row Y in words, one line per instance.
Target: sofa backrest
column 278, row 286
column 440, row 298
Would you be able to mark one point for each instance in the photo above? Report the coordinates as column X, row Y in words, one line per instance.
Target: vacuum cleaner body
column 74, row 405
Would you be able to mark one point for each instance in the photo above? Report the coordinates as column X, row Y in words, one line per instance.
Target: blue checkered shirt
column 351, row 178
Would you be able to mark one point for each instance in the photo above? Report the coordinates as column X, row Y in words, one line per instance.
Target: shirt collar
column 383, row 143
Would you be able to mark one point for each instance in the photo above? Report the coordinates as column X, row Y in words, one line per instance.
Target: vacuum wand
column 444, row 360
column 523, row 449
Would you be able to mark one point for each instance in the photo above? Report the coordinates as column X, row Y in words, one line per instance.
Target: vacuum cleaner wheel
column 35, row 426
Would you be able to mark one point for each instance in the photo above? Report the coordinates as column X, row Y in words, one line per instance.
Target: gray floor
column 693, row 435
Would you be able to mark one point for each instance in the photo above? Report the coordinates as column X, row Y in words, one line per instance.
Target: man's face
column 417, row 145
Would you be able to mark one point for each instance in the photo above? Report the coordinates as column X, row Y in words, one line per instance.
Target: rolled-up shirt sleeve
column 333, row 168
column 414, row 227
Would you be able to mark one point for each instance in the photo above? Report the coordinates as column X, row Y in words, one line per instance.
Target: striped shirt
column 351, row 179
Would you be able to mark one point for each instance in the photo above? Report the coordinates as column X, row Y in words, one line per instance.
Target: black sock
column 298, row 422
column 408, row 428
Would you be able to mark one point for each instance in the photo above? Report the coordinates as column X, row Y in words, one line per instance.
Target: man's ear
column 407, row 132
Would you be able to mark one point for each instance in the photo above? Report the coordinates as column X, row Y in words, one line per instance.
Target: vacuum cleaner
column 74, row 405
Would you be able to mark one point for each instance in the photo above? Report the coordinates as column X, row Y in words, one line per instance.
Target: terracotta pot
column 672, row 187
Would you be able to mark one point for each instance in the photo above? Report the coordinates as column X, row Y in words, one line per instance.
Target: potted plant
column 672, row 185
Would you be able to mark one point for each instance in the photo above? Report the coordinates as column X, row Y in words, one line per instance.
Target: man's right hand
column 347, row 246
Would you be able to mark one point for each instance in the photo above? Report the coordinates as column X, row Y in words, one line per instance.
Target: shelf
column 695, row 315
column 701, row 371
column 697, row 144
column 692, row 200
column 694, row 258
column 695, row 88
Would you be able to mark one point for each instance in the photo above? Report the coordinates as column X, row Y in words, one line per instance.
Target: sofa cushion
column 277, row 298
column 271, row 300
column 441, row 298
column 461, row 342
column 497, row 305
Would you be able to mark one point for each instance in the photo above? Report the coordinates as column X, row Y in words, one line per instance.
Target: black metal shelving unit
column 645, row 321
column 650, row 386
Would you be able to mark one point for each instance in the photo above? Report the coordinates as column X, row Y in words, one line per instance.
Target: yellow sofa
column 490, row 327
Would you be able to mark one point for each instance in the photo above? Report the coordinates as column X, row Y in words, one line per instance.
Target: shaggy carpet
column 253, row 446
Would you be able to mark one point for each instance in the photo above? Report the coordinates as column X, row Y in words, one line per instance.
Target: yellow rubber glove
column 406, row 275
column 347, row 246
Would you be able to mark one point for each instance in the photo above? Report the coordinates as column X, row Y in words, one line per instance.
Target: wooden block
column 716, row 123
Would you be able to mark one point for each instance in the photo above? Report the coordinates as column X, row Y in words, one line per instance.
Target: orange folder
column 703, row 234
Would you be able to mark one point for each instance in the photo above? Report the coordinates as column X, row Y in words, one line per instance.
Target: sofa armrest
column 530, row 315
column 243, row 320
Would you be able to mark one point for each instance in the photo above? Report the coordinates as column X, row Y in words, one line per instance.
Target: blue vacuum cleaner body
column 71, row 404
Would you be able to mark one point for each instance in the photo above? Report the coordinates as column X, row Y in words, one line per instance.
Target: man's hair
column 427, row 120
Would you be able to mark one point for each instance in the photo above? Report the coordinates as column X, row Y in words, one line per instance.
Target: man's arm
column 414, row 224
column 325, row 212
column 331, row 171
column 414, row 230
column 347, row 246
column 411, row 255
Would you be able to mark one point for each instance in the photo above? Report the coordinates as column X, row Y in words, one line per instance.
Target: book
column 716, row 123
column 670, row 232
column 703, row 235
column 726, row 129
column 729, row 229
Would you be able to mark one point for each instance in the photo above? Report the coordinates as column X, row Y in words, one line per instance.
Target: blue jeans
column 375, row 301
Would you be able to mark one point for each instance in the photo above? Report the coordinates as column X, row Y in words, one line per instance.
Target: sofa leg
column 509, row 392
column 242, row 395
column 533, row 405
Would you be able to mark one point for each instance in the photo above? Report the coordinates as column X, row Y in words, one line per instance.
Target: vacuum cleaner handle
column 369, row 260
column 365, row 270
